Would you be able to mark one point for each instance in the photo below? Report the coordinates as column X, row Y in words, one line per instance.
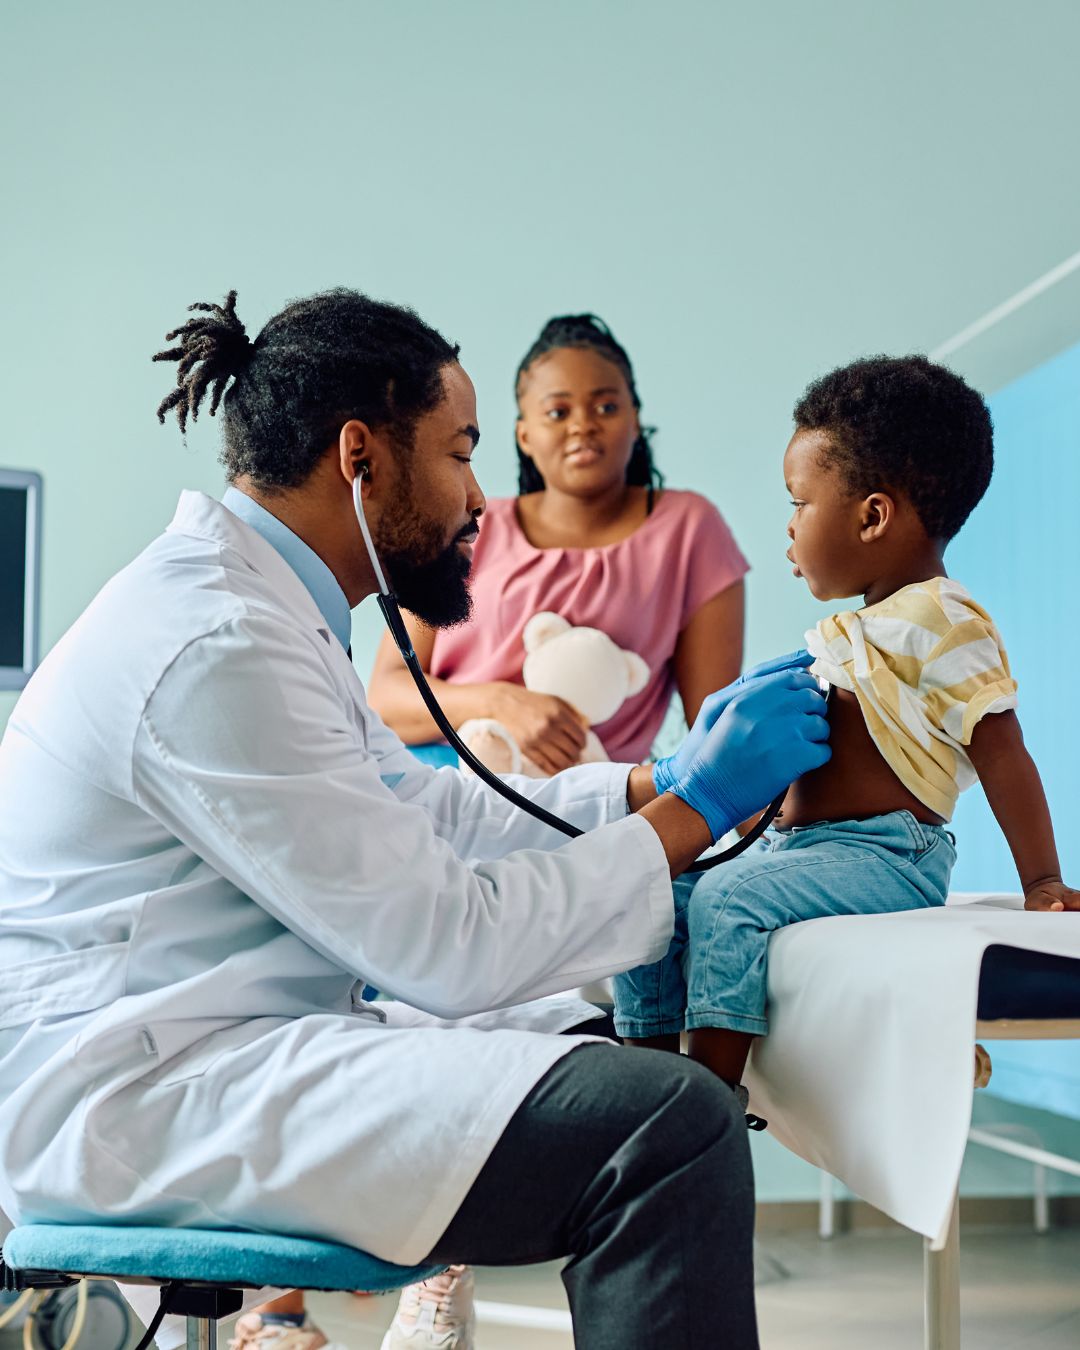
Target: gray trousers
column 635, row 1164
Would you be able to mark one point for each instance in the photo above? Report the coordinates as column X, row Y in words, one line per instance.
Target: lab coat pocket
column 178, row 1063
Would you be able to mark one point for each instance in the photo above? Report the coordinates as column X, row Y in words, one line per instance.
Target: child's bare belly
column 856, row 783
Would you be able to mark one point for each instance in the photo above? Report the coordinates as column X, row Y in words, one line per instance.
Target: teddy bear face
column 581, row 665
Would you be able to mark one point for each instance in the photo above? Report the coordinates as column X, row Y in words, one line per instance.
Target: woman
column 594, row 537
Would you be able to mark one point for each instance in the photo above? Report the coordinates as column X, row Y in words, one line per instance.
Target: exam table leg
column 826, row 1207
column 941, row 1284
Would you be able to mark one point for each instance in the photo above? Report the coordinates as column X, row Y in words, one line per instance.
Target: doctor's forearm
column 640, row 787
column 682, row 832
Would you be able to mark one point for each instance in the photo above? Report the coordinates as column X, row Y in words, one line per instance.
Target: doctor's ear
column 355, row 451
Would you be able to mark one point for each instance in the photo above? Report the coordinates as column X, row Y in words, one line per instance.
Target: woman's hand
column 548, row 729
column 1051, row 894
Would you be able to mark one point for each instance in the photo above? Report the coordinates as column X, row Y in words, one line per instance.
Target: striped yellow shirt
column 926, row 665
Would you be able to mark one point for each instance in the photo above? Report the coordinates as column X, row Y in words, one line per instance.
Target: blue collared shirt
column 321, row 583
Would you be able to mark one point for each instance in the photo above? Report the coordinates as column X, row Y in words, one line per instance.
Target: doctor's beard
column 429, row 578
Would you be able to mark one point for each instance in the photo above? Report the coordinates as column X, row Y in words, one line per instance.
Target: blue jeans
column 715, row 971
column 435, row 753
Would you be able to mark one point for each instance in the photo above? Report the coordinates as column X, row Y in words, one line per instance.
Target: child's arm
column 1015, row 793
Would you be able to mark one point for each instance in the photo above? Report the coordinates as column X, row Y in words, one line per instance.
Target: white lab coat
column 208, row 843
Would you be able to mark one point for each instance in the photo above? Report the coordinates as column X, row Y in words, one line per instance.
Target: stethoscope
column 394, row 622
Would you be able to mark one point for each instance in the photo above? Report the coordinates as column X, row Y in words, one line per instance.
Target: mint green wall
column 781, row 1176
column 749, row 194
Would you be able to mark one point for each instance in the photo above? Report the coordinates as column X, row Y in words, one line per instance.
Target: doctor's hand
column 667, row 772
column 770, row 732
column 548, row 729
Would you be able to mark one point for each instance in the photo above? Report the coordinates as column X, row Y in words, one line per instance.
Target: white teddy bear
column 582, row 666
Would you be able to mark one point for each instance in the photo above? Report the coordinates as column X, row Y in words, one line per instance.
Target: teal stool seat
column 201, row 1271
column 202, row 1256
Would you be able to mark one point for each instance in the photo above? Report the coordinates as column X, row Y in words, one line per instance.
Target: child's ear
column 876, row 515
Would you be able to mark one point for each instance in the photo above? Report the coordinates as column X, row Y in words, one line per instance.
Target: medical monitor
column 20, row 575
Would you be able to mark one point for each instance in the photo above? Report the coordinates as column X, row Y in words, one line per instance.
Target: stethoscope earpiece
column 361, row 520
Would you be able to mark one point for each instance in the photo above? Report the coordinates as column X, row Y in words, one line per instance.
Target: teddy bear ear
column 639, row 673
column 542, row 628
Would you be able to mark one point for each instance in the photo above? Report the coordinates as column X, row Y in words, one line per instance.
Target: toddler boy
column 889, row 457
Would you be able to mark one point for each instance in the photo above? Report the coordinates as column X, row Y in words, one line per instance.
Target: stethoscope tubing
column 400, row 634
column 394, row 622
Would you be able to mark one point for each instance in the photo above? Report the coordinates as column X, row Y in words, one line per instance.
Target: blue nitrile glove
column 667, row 772
column 772, row 730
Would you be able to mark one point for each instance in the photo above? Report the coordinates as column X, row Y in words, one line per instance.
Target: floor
column 860, row 1290
column 1020, row 1292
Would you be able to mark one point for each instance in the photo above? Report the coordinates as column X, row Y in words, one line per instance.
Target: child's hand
column 1052, row 895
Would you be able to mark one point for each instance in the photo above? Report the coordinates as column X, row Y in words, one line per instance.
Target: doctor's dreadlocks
column 591, row 333
column 320, row 362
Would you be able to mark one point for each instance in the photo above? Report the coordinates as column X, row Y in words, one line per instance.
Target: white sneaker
column 436, row 1314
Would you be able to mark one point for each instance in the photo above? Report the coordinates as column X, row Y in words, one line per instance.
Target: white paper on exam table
column 867, row 1069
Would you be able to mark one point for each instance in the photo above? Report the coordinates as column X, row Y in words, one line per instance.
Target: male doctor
column 209, row 843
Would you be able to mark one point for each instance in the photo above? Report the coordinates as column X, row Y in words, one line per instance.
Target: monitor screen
column 20, row 542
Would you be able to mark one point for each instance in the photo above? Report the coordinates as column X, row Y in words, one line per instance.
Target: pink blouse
column 641, row 591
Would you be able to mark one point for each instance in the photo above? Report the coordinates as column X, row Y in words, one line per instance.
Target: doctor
column 208, row 843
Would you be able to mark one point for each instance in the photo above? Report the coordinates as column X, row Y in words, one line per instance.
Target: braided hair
column 586, row 331
column 322, row 361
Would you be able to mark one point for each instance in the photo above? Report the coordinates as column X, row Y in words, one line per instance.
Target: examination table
column 869, row 1066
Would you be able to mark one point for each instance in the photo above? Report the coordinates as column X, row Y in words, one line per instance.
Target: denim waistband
column 896, row 829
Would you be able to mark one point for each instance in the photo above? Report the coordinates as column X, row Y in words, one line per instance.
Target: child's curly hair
column 904, row 423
